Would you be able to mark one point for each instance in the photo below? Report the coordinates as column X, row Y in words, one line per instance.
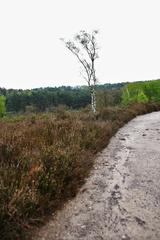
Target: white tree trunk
column 93, row 100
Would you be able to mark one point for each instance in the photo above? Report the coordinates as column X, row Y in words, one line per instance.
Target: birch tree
column 84, row 47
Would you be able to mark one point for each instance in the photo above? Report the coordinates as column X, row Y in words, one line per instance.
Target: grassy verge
column 45, row 159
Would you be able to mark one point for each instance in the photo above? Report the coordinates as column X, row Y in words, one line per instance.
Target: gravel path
column 121, row 198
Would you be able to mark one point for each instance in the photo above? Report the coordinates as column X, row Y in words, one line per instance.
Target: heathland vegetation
column 48, row 149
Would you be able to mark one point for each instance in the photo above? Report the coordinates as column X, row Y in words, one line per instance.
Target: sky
column 32, row 55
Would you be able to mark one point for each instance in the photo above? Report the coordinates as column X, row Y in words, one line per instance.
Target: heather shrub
column 44, row 159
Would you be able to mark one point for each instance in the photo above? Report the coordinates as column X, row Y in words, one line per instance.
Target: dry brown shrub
column 45, row 159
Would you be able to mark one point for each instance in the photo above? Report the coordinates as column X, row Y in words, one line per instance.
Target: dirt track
column 121, row 198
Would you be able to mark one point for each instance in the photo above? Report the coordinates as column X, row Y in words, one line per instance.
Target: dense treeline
column 47, row 99
column 43, row 99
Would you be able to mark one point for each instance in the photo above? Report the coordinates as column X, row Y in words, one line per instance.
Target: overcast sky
column 31, row 54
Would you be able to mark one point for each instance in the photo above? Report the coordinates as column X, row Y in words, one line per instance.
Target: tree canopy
column 43, row 99
column 2, row 105
column 146, row 91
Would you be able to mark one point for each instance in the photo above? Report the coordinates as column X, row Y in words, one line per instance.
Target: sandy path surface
column 121, row 198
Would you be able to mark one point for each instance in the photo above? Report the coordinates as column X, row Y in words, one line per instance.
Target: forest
column 47, row 99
